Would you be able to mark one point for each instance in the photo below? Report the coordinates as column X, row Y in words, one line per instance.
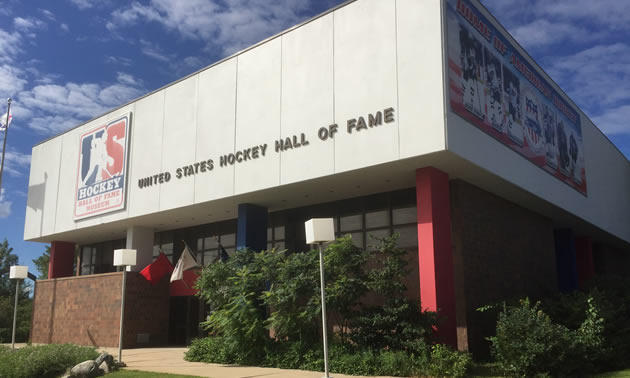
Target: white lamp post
column 318, row 231
column 124, row 258
column 16, row 272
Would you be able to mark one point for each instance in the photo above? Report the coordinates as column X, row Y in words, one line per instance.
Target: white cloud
column 615, row 120
column 596, row 77
column 12, row 79
column 5, row 206
column 119, row 60
column 51, row 125
column 56, row 108
column 10, row 45
column 542, row 32
column 544, row 23
column 229, row 27
column 16, row 163
column 28, row 24
column 154, row 51
column 48, row 14
column 85, row 4
column 64, row 27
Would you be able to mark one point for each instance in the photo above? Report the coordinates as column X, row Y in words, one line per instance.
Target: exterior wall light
column 16, row 272
column 319, row 231
column 125, row 258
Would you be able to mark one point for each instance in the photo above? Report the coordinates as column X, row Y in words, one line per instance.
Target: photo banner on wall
column 495, row 88
column 102, row 169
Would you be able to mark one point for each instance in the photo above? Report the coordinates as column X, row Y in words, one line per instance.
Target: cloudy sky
column 67, row 61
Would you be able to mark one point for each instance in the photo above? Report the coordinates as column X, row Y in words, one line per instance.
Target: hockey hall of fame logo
column 102, row 169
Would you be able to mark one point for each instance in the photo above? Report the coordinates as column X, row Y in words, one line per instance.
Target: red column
column 584, row 259
column 61, row 259
column 437, row 289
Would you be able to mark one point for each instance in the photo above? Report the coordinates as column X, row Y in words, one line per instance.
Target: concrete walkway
column 171, row 360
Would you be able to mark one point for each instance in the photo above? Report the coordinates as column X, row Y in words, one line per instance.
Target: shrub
column 445, row 362
column 42, row 361
column 212, row 349
column 611, row 296
column 529, row 343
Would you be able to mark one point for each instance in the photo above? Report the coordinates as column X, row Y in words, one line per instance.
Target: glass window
column 278, row 233
column 408, row 236
column 210, row 256
column 357, row 239
column 377, row 219
column 405, row 215
column 229, row 239
column 351, row 223
column 377, row 234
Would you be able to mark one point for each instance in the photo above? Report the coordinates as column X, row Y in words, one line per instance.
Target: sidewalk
column 171, row 360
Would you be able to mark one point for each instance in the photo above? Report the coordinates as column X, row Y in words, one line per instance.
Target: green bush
column 445, row 362
column 529, row 343
column 611, row 295
column 42, row 361
column 253, row 292
column 344, row 359
column 212, row 350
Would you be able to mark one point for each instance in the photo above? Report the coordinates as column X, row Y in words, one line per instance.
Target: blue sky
column 67, row 61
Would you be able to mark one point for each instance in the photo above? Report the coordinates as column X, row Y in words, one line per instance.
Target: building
column 419, row 117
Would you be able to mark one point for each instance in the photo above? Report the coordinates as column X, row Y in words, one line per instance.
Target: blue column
column 566, row 266
column 252, row 227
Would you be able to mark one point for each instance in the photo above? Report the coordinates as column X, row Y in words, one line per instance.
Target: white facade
column 367, row 58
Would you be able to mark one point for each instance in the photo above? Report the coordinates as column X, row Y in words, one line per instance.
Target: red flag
column 157, row 269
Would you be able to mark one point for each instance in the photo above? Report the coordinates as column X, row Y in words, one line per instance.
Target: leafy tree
column 7, row 298
column 42, row 262
column 398, row 323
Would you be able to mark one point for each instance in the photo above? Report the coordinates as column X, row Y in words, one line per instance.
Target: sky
column 64, row 62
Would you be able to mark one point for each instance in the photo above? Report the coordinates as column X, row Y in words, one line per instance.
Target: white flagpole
column 4, row 145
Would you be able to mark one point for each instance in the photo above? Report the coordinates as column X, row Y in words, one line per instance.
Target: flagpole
column 4, row 144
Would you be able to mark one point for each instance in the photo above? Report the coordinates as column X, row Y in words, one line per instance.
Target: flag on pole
column 157, row 269
column 3, row 121
column 186, row 261
column 223, row 255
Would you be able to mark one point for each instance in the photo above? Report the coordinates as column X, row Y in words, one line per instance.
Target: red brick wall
column 501, row 251
column 85, row 310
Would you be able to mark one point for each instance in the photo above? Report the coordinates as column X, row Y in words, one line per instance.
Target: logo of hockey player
column 102, row 154
column 495, row 111
column 470, row 57
column 549, row 133
column 533, row 130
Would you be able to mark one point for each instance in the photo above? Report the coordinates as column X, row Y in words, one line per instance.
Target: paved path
column 171, row 360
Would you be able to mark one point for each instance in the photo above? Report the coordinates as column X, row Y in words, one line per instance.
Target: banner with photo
column 102, row 169
column 494, row 87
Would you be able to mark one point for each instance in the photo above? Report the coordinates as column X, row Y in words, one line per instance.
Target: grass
column 615, row 374
column 145, row 374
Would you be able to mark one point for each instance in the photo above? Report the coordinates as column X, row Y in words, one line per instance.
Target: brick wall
column 85, row 310
column 501, row 251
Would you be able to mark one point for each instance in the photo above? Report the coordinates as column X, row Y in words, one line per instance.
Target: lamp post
column 319, row 231
column 16, row 272
column 124, row 258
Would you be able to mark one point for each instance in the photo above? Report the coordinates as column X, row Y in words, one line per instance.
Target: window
column 99, row 258
column 380, row 223
column 276, row 238
column 208, row 250
column 163, row 241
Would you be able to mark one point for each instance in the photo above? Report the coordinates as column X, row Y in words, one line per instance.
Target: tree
column 8, row 259
column 41, row 263
column 7, row 298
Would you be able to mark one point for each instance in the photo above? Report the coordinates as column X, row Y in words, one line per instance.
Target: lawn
column 145, row 374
